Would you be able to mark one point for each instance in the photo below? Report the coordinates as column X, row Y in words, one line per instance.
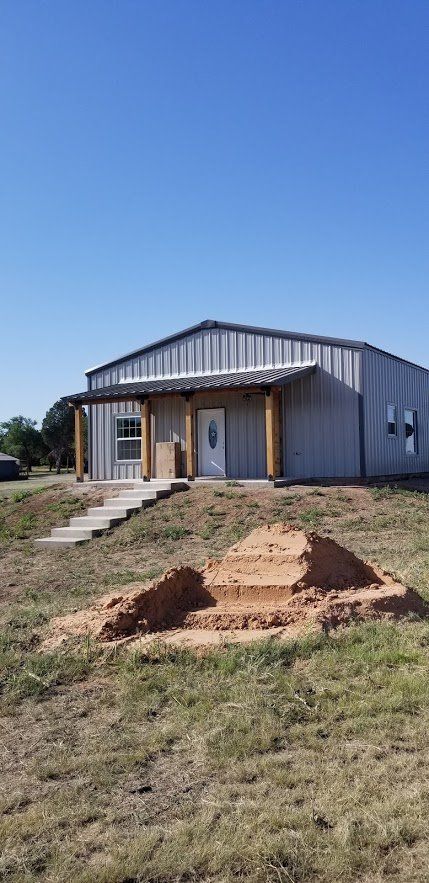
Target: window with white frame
column 128, row 438
column 391, row 420
column 410, row 421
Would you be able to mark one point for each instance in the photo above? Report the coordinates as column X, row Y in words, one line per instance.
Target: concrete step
column 120, row 503
column 113, row 512
column 97, row 523
column 59, row 542
column 143, row 495
column 161, row 485
column 79, row 533
column 154, row 485
column 173, row 486
column 141, row 502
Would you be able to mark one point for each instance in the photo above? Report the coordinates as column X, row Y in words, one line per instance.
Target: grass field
column 294, row 761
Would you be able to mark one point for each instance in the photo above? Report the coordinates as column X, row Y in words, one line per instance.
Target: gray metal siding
column 212, row 350
column 325, row 429
column 168, row 425
column 321, row 417
column 388, row 380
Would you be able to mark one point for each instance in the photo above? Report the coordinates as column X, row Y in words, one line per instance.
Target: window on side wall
column 128, row 438
column 391, row 421
column 410, row 421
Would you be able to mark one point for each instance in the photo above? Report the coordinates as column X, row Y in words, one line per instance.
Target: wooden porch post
column 145, row 411
column 78, row 441
column 189, row 433
column 273, row 431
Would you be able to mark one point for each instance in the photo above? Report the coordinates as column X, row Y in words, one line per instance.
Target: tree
column 58, row 431
column 20, row 438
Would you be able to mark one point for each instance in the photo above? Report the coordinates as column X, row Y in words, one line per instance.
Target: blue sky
column 166, row 162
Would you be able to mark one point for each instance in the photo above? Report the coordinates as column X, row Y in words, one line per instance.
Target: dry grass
column 303, row 761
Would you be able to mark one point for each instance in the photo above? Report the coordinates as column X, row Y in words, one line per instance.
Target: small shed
column 9, row 467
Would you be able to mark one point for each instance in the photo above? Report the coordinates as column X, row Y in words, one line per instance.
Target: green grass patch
column 24, row 526
column 175, row 532
column 311, row 517
column 35, row 675
column 20, row 496
column 288, row 500
column 68, row 507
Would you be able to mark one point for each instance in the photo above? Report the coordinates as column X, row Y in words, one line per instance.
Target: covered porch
column 228, row 425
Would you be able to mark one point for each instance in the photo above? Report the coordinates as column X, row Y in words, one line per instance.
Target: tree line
column 53, row 444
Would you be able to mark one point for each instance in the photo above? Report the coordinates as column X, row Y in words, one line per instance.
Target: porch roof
column 138, row 389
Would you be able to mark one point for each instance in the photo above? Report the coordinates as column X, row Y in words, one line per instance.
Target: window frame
column 414, row 453
column 131, row 416
column 395, row 421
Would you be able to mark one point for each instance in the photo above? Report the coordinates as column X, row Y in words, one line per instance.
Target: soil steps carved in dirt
column 277, row 579
column 113, row 512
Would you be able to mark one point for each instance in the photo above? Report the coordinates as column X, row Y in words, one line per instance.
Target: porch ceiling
column 135, row 390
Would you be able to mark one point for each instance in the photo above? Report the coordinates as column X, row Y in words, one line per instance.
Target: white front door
column 211, row 441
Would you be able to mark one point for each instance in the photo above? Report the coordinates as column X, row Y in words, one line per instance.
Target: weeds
column 312, row 516
column 68, row 507
column 209, row 530
column 24, row 526
column 289, row 500
column 175, row 532
column 20, row 496
column 37, row 674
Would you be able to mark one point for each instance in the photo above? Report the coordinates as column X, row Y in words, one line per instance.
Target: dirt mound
column 276, row 561
column 116, row 615
column 275, row 579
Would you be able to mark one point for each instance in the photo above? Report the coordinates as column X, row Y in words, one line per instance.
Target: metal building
column 9, row 467
column 247, row 402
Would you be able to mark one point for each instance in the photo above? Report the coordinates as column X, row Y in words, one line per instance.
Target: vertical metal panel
column 168, row 423
column 389, row 380
column 321, row 417
column 102, row 436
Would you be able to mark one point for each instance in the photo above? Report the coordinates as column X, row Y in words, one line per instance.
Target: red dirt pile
column 275, row 578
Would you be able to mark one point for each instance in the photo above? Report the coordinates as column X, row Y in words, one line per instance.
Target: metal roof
column 212, row 323
column 194, row 383
column 7, row 457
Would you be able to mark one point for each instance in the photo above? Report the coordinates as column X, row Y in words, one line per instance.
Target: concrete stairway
column 113, row 512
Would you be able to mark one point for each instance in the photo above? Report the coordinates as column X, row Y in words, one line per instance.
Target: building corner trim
column 361, row 411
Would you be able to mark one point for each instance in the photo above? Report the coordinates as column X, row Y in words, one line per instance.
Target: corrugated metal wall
column 387, row 379
column 214, row 349
column 168, row 416
column 321, row 418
